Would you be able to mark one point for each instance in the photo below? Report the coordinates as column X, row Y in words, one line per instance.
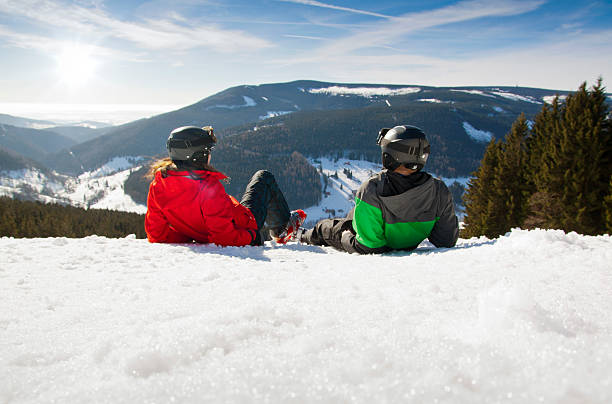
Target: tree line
column 553, row 173
column 35, row 219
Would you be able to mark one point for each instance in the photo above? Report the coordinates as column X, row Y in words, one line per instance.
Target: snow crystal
column 498, row 109
column 477, row 135
column 366, row 92
column 264, row 98
column 522, row 318
column 388, row 103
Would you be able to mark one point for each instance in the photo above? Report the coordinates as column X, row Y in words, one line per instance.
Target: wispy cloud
column 331, row 6
column 316, row 38
column 148, row 34
column 385, row 33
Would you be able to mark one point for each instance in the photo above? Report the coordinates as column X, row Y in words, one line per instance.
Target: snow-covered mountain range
column 460, row 121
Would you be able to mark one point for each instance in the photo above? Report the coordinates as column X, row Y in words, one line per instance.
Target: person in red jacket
column 187, row 202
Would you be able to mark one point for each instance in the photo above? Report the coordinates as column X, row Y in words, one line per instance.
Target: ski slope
column 524, row 319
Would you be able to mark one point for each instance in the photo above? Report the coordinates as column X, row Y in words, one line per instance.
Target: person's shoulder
column 371, row 184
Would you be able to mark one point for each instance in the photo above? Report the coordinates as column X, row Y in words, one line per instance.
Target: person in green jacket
column 397, row 208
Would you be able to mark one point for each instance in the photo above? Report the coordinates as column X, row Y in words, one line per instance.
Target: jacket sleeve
column 243, row 217
column 446, row 230
column 157, row 226
column 218, row 210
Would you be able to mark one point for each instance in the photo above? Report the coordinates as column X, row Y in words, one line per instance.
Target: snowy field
column 522, row 319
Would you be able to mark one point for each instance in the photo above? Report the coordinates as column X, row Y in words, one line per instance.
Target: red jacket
column 181, row 209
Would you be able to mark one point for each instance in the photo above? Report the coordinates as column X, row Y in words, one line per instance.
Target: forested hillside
column 353, row 133
column 36, row 219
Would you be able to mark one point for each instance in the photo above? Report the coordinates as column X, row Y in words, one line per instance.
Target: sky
column 176, row 52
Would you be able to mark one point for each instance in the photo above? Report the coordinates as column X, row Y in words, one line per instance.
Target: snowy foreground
column 524, row 318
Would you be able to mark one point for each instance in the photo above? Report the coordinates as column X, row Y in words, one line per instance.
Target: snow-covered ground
column 366, row 92
column 338, row 196
column 476, row 134
column 524, row 319
column 99, row 189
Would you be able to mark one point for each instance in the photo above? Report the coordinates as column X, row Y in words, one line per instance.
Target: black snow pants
column 265, row 200
column 328, row 232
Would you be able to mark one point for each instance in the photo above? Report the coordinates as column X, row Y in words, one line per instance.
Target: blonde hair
column 165, row 164
column 162, row 165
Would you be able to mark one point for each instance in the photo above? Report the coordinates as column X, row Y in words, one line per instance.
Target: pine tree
column 481, row 209
column 608, row 208
column 510, row 185
column 570, row 164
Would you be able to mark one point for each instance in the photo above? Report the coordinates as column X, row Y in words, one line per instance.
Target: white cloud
column 330, row 6
column 315, row 38
column 149, row 34
column 387, row 32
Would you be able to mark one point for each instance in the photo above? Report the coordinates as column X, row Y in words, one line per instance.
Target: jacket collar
column 199, row 173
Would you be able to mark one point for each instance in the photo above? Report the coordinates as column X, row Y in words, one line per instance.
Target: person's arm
column 218, row 211
column 446, row 230
column 157, row 227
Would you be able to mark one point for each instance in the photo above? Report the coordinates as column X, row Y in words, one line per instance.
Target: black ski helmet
column 191, row 144
column 405, row 145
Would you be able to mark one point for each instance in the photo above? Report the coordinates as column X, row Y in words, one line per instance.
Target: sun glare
column 76, row 65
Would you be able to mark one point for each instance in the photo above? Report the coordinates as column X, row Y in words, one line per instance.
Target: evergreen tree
column 571, row 178
column 510, row 186
column 608, row 208
column 482, row 212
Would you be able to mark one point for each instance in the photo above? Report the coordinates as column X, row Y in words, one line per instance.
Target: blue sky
column 180, row 51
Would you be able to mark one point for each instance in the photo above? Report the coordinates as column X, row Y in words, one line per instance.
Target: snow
column 388, row 103
column 114, row 165
column 248, row 102
column 99, row 189
column 498, row 109
column 475, row 92
column 337, row 201
column 515, row 97
column 272, row 114
column 550, row 98
column 432, row 100
column 450, row 180
column 524, row 318
column 477, row 135
column 366, row 92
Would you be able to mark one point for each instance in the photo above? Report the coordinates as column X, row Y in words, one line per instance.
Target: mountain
column 34, row 144
column 284, row 126
column 25, row 122
column 11, row 161
column 81, row 133
column 250, row 104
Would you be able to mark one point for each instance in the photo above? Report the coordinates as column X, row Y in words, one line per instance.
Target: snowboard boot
column 289, row 232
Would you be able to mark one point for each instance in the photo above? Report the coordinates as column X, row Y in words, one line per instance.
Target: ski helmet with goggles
column 190, row 144
column 403, row 145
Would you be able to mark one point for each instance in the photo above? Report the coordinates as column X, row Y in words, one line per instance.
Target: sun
column 76, row 65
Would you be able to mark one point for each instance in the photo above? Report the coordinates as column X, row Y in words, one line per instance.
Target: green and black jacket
column 401, row 222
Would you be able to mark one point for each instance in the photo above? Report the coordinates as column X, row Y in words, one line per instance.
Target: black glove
column 256, row 241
